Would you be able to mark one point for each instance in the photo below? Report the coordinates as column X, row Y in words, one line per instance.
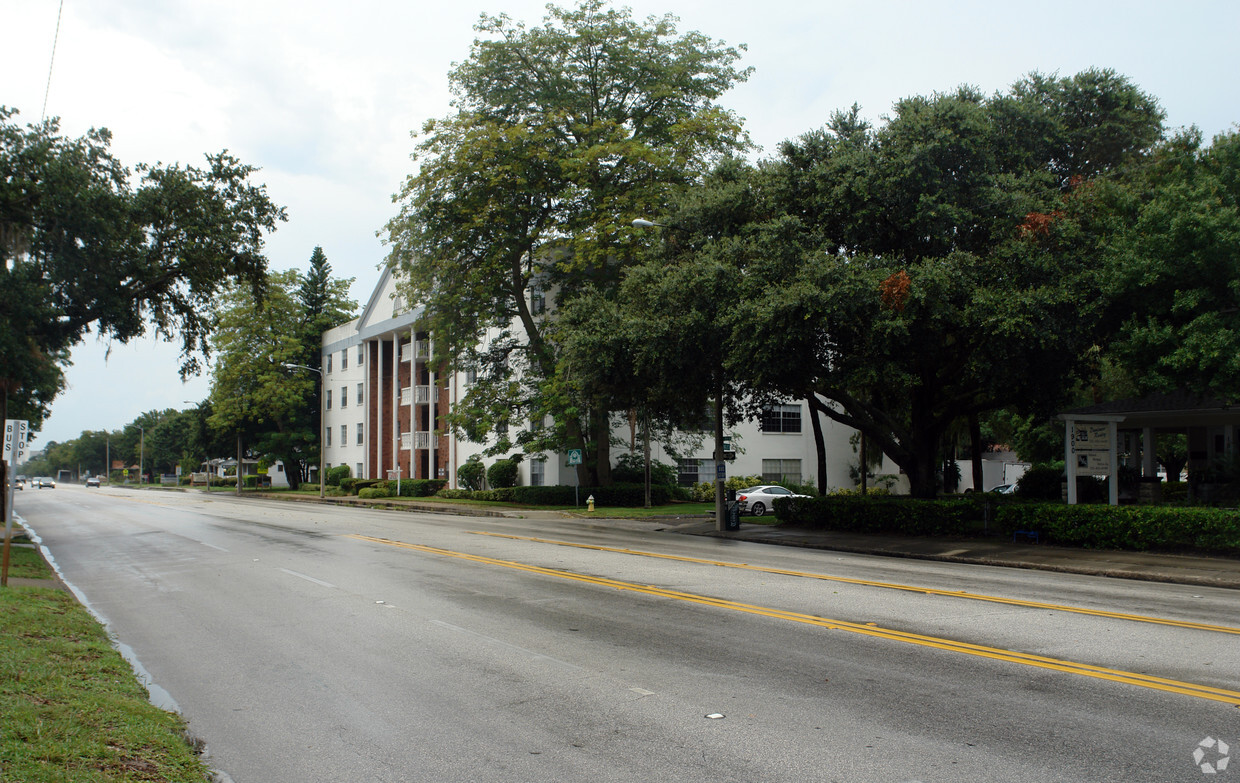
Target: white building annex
column 384, row 404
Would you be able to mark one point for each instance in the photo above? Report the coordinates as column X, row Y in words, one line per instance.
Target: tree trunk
column 601, row 426
column 820, row 446
column 923, row 471
column 975, row 449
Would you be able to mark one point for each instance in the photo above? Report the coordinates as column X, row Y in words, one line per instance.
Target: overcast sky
column 323, row 97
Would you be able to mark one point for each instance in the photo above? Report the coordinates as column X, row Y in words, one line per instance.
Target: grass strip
column 72, row 707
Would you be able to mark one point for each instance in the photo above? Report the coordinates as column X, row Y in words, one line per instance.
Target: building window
column 471, row 376
column 344, row 434
column 687, row 472
column 329, row 362
column 501, row 428
column 782, row 471
column 781, row 418
column 359, row 394
column 538, row 472
column 359, row 433
column 538, row 300
column 344, row 396
column 328, row 399
column 359, row 470
column 361, row 351
column 327, row 441
column 344, row 359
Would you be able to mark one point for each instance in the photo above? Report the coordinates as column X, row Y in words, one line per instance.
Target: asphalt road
column 314, row 643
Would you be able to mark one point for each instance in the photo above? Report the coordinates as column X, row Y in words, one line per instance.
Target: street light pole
column 720, row 514
column 322, row 422
column 141, row 453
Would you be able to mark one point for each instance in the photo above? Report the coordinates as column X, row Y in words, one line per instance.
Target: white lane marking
column 213, row 546
column 307, row 578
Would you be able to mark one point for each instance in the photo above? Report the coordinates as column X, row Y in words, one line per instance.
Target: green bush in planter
column 372, row 493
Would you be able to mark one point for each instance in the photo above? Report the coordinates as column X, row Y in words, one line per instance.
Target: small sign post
column 574, row 458
column 15, row 434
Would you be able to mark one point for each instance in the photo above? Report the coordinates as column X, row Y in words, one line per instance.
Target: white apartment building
column 383, row 407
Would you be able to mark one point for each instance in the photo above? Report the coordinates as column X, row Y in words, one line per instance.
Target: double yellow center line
column 866, row 629
column 1139, row 618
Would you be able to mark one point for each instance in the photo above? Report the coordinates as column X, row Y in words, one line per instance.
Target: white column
column 432, row 441
column 1149, row 460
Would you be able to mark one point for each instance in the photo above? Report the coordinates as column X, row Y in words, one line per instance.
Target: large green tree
column 929, row 297
column 1172, row 258
column 273, row 408
column 562, row 134
column 88, row 245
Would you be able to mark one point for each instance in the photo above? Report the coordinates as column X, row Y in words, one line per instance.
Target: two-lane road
column 314, row 643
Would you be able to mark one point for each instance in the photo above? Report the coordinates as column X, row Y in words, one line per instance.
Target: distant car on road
column 93, row 481
column 44, row 482
column 760, row 499
column 20, row 482
column 1004, row 489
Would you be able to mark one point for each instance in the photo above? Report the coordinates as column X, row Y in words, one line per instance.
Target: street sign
column 721, row 471
column 574, row 456
column 15, row 432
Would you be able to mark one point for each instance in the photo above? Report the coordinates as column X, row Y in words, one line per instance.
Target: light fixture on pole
column 720, row 470
column 322, row 421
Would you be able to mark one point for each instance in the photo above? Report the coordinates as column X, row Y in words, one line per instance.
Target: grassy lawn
column 72, row 708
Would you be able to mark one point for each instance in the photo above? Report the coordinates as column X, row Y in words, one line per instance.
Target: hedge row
column 1104, row 527
column 1129, row 527
column 625, row 495
column 409, row 488
column 886, row 514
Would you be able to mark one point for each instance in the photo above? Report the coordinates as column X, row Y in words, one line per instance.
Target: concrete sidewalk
column 1154, row 567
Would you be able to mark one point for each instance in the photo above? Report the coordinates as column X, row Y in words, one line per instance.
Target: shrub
column 704, row 492
column 456, row 494
column 336, row 474
column 502, row 474
column 352, row 486
column 885, row 514
column 470, row 474
column 417, row 488
column 1041, row 482
column 1128, row 527
column 371, row 493
column 630, row 468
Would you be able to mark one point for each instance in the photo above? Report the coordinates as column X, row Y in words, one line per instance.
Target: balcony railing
column 406, row 396
column 421, row 440
column 406, row 440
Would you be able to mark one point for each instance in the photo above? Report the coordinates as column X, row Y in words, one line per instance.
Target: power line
column 55, row 38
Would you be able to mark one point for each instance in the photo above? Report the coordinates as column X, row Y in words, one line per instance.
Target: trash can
column 732, row 516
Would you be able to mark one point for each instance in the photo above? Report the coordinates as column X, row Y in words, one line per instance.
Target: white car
column 760, row 499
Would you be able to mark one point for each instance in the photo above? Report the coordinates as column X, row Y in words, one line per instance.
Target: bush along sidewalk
column 1140, row 528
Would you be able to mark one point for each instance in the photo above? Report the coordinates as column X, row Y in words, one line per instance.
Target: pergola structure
column 1092, row 445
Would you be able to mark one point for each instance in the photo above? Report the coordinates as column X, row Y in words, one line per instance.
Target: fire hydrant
column 590, row 503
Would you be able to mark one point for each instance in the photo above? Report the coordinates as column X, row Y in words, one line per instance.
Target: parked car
column 44, row 482
column 1004, row 489
column 93, row 481
column 758, row 500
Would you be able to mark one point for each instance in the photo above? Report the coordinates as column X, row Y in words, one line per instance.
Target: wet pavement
column 1188, row 569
